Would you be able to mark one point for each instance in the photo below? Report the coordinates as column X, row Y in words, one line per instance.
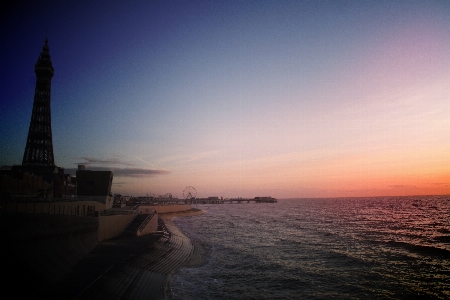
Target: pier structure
column 239, row 200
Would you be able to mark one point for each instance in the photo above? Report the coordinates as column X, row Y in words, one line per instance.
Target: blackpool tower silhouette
column 39, row 148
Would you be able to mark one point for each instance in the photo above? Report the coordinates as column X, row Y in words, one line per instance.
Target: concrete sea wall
column 112, row 226
column 37, row 249
column 151, row 227
column 43, row 243
column 70, row 208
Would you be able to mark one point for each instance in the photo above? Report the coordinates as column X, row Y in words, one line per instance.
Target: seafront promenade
column 130, row 267
column 124, row 267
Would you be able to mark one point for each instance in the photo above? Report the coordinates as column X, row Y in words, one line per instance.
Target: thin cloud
column 190, row 157
column 140, row 159
column 137, row 172
column 398, row 186
column 96, row 161
column 124, row 172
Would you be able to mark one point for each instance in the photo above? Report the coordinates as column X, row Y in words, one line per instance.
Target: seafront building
column 38, row 174
column 39, row 186
column 52, row 220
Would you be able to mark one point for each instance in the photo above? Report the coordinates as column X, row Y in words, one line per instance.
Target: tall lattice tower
column 39, row 149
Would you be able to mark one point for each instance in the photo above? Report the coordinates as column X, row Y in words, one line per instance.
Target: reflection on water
column 356, row 248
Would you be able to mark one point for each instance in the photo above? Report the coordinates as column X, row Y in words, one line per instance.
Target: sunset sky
column 237, row 98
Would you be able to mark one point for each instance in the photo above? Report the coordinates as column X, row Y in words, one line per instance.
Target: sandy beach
column 130, row 267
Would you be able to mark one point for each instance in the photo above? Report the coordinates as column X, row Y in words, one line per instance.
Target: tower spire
column 39, row 148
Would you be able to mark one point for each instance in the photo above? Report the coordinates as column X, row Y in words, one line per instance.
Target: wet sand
column 130, row 267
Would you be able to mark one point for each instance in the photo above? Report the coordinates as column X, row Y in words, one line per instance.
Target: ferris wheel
column 189, row 192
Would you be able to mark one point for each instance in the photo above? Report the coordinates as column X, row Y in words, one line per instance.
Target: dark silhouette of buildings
column 94, row 183
column 38, row 158
column 38, row 175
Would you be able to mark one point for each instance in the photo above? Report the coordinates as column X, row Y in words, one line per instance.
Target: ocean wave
column 377, row 248
column 421, row 249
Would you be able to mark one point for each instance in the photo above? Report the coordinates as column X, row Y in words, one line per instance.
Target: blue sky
column 238, row 98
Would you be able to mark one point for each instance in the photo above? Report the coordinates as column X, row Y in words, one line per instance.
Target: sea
column 340, row 248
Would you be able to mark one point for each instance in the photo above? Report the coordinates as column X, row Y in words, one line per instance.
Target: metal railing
column 149, row 217
column 132, row 211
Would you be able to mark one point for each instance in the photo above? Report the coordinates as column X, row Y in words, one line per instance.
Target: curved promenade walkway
column 129, row 267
